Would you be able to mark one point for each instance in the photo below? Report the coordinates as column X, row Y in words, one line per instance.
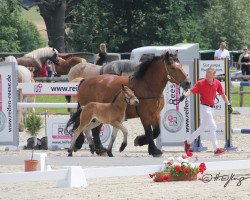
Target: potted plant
column 178, row 169
column 33, row 125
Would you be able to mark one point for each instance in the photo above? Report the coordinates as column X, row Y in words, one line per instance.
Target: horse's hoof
column 110, row 154
column 70, row 152
column 92, row 149
column 156, row 153
column 123, row 146
column 104, row 154
column 100, row 150
column 136, row 142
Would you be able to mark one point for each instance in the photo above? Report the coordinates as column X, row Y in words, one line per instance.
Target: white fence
column 76, row 176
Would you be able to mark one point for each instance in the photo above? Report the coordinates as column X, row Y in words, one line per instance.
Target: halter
column 128, row 99
column 169, row 77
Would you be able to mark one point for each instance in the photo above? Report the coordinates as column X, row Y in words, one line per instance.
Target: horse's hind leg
column 113, row 137
column 99, row 149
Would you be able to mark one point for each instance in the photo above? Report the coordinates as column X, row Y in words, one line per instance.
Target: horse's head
column 130, row 97
column 175, row 72
column 54, row 57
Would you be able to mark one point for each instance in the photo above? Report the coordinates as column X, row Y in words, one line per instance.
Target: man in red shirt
column 207, row 89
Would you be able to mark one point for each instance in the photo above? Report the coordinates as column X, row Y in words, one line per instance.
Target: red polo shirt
column 207, row 92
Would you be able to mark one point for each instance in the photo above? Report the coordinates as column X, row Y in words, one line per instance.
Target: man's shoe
column 219, row 151
column 186, row 146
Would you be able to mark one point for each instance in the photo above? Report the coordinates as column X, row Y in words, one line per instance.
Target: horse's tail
column 75, row 120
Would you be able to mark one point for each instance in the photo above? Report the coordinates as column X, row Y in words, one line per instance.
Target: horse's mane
column 116, row 95
column 119, row 66
column 143, row 67
column 41, row 53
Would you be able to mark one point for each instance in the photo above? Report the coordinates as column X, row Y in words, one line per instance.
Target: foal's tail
column 75, row 120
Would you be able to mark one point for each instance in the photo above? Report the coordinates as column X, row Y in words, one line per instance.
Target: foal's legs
column 112, row 140
column 113, row 137
column 84, row 121
column 125, row 137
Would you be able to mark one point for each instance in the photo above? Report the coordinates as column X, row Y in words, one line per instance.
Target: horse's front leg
column 125, row 138
column 113, row 137
column 149, row 137
column 90, row 140
column 142, row 140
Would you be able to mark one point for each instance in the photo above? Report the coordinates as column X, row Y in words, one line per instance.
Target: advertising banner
column 63, row 88
column 176, row 119
column 61, row 138
column 8, row 104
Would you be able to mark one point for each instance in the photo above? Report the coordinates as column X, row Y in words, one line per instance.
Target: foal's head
column 130, row 97
column 175, row 72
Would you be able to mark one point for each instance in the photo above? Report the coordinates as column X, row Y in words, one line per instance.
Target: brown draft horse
column 64, row 66
column 109, row 113
column 148, row 84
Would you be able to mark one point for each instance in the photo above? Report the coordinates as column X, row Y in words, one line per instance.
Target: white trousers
column 207, row 122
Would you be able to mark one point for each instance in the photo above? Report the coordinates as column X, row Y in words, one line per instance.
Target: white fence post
column 75, row 178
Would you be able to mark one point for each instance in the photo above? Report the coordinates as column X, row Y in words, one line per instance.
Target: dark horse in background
column 148, row 84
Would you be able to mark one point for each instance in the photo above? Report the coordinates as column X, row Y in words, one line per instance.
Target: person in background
column 207, row 89
column 222, row 52
column 51, row 69
column 102, row 56
column 43, row 72
column 244, row 61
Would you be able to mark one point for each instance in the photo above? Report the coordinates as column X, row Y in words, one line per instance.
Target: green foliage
column 227, row 20
column 33, row 124
column 16, row 34
column 127, row 24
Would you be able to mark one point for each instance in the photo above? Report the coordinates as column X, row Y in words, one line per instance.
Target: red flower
column 177, row 168
column 165, row 177
column 202, row 168
column 186, row 170
column 152, row 175
column 189, row 154
column 169, row 163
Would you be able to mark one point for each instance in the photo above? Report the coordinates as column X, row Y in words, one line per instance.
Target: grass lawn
column 235, row 98
column 51, row 99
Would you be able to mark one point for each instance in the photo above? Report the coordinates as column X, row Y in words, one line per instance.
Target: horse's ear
column 167, row 55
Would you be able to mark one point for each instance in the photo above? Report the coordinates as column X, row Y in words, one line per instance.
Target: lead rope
column 169, row 77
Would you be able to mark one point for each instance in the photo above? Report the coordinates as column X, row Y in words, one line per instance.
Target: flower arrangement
column 177, row 169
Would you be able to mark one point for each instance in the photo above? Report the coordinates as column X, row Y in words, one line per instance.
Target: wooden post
column 241, row 96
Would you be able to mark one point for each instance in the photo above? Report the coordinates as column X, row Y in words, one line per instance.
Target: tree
column 16, row 34
column 127, row 24
column 227, row 20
